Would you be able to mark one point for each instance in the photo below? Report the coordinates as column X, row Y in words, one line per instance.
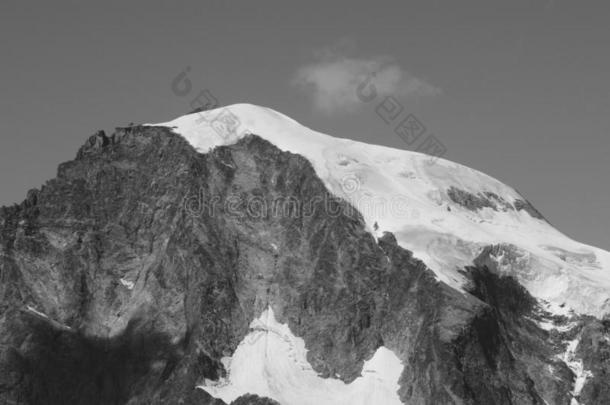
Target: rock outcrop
column 128, row 277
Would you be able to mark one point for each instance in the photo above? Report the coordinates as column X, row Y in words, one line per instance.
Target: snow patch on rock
column 35, row 311
column 272, row 362
column 577, row 367
column 128, row 284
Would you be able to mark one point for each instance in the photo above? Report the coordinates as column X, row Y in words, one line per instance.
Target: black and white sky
column 517, row 89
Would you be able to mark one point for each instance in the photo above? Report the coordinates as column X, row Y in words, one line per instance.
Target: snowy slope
column 271, row 362
column 406, row 193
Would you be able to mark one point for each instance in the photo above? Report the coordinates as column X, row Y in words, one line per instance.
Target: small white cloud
column 334, row 79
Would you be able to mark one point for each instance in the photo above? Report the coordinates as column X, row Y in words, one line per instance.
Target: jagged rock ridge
column 129, row 277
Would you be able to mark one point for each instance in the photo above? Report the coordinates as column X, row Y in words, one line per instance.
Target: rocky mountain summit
column 153, row 270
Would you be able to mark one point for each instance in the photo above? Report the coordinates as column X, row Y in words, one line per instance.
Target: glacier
column 408, row 193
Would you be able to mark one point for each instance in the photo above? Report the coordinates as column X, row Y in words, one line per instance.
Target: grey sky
column 524, row 93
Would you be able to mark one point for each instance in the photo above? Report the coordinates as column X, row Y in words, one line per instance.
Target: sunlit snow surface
column 271, row 362
column 577, row 367
column 405, row 193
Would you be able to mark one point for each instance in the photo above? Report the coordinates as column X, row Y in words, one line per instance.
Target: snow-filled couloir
column 442, row 211
column 271, row 362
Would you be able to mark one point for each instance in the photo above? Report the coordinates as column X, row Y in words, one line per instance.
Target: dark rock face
column 127, row 278
column 594, row 349
column 475, row 202
column 62, row 366
column 529, row 208
column 253, row 400
column 516, row 355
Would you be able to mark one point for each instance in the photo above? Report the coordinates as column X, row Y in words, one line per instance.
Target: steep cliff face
column 132, row 277
column 442, row 211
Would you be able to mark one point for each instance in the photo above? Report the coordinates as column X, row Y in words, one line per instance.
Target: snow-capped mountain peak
column 444, row 212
